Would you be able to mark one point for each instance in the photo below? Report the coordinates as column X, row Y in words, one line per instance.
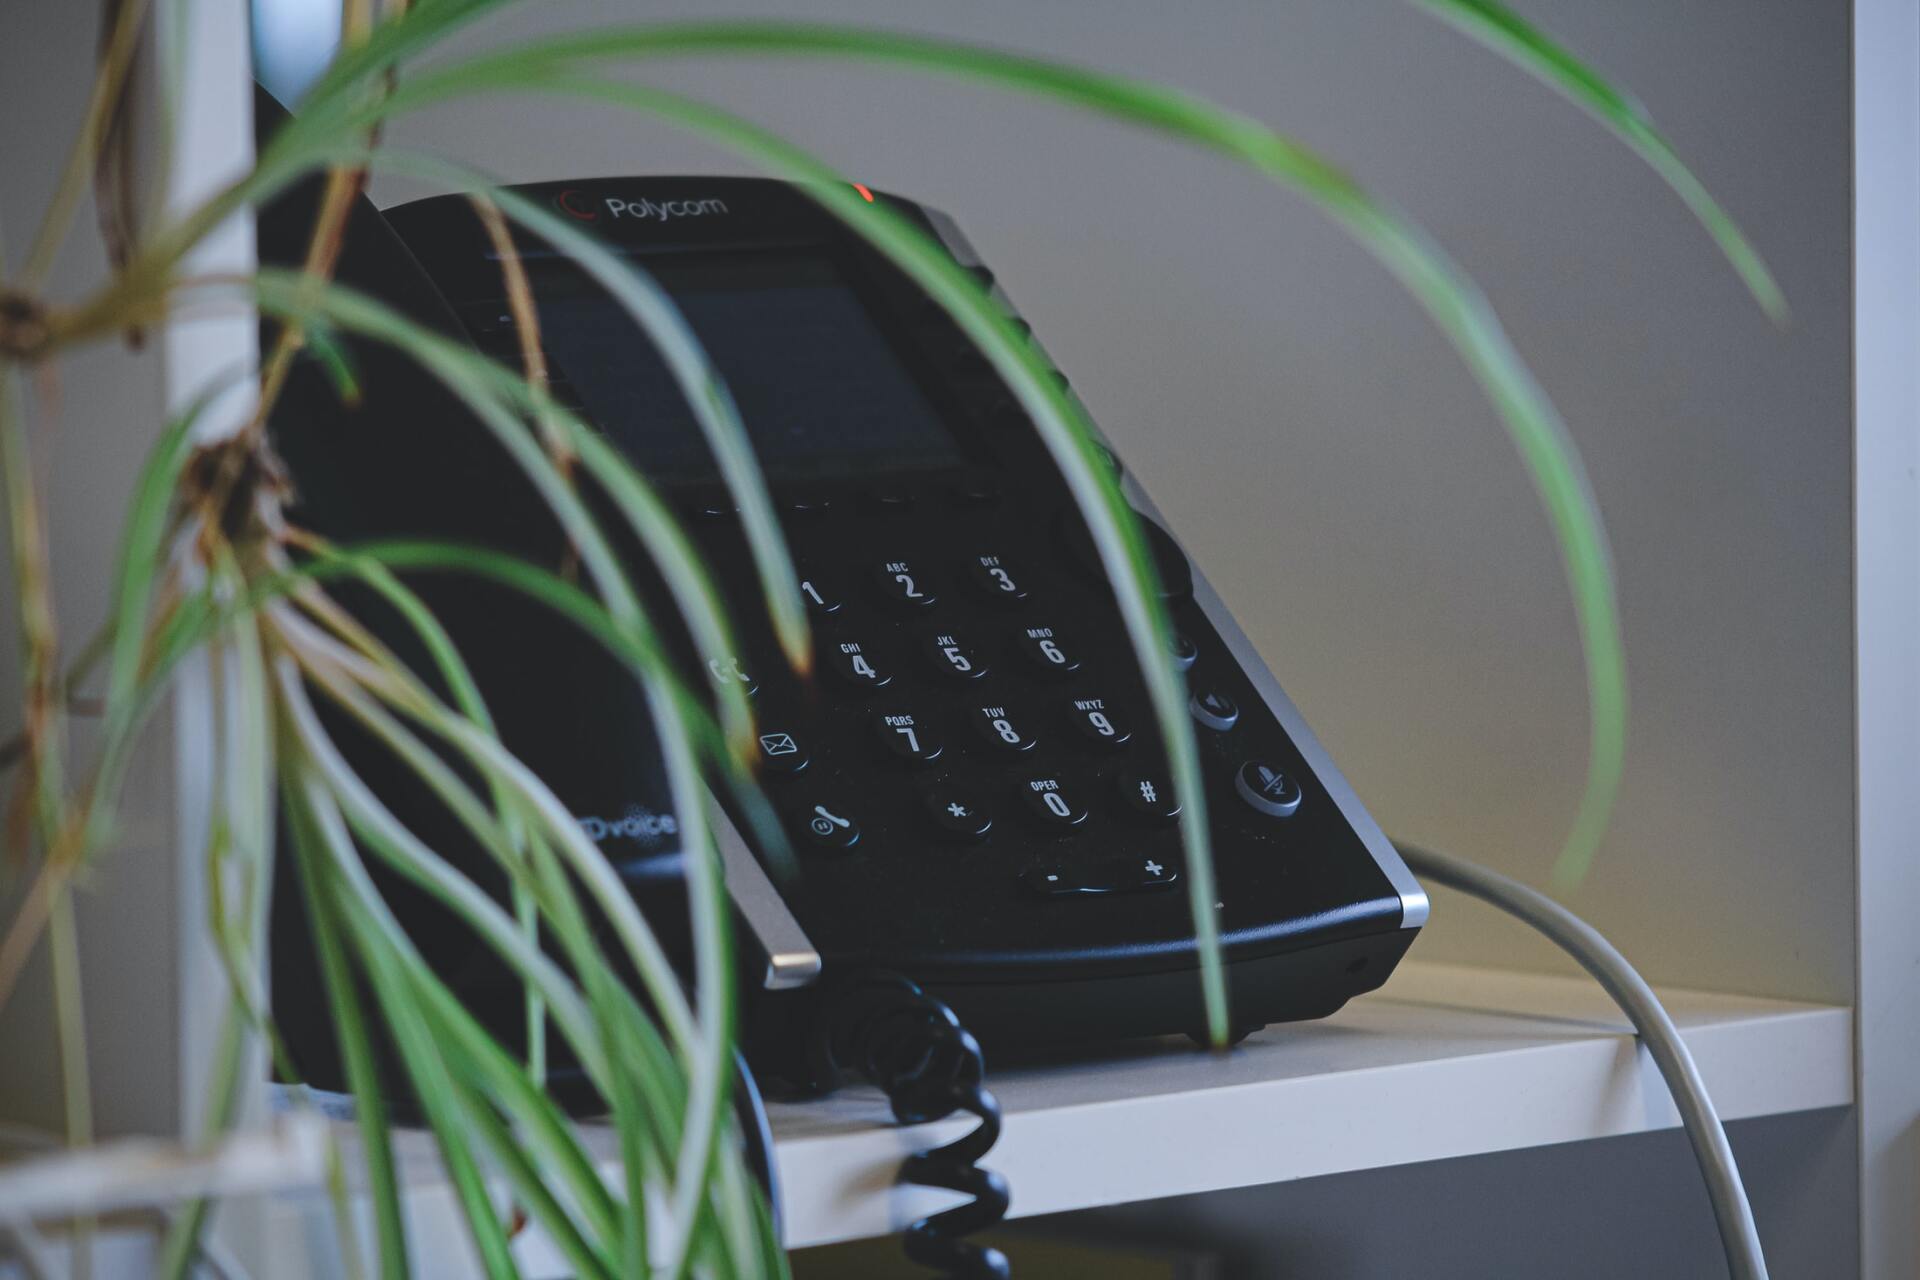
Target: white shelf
column 1446, row 1061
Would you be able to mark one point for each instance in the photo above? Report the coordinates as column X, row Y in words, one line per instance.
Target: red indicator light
column 862, row 189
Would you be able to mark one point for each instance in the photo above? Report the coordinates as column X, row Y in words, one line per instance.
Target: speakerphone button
column 1267, row 789
column 904, row 585
column 908, row 737
column 1052, row 804
column 1097, row 723
column 1215, row 710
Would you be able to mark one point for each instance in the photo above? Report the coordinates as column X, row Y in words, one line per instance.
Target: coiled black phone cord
column 884, row 1029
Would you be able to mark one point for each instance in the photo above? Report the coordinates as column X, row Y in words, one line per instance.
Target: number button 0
column 904, row 585
column 950, row 658
column 856, row 666
column 1045, row 653
column 994, row 579
column 908, row 737
column 1051, row 805
column 1000, row 730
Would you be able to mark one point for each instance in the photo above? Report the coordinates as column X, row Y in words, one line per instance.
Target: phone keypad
column 1018, row 731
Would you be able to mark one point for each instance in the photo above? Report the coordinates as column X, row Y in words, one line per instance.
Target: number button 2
column 903, row 585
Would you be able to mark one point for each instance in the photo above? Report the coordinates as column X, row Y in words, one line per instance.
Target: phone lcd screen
column 820, row 389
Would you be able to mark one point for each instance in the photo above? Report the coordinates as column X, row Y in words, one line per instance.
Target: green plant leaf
column 1507, row 33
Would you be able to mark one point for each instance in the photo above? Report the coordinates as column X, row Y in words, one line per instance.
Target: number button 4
column 903, row 585
column 856, row 666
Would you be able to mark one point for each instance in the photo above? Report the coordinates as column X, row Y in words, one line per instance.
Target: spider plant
column 211, row 567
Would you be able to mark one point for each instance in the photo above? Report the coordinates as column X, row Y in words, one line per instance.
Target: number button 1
column 819, row 596
column 908, row 737
column 905, row 586
column 994, row 580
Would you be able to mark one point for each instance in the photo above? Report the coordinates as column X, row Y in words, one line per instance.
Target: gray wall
column 1332, row 466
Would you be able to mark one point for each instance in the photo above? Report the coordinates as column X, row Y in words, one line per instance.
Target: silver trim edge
column 792, row 960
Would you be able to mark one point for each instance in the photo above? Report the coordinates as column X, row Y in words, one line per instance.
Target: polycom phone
column 970, row 776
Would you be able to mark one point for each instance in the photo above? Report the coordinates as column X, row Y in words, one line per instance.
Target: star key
column 958, row 814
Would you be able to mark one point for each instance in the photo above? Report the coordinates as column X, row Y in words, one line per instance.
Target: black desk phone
column 971, row 779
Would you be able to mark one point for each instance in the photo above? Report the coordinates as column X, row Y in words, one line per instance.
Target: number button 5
column 952, row 659
column 903, row 585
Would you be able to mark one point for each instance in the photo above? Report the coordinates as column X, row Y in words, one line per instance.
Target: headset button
column 1183, row 651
